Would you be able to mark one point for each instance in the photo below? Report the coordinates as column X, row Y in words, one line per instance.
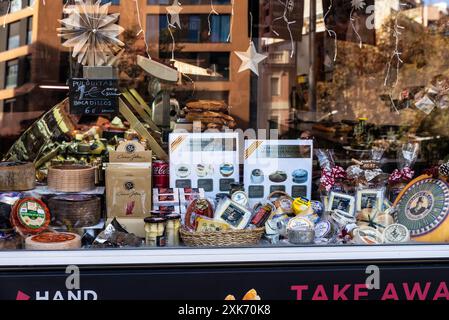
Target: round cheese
column 53, row 241
column 423, row 207
column 17, row 176
column 396, row 233
column 30, row 216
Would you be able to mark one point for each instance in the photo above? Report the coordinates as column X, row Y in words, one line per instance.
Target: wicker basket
column 228, row 238
column 71, row 178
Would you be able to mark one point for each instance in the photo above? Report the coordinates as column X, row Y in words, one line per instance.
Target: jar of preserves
column 172, row 229
column 155, row 231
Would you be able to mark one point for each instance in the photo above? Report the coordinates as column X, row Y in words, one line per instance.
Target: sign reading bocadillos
column 94, row 97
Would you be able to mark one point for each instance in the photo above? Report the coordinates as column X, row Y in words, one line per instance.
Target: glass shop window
column 9, row 105
column 113, row 2
column 13, row 35
column 12, row 72
column 29, row 30
column 16, row 5
column 275, row 87
column 194, row 29
column 367, row 81
column 188, row 2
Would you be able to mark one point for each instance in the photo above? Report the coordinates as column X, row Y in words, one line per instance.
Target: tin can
column 161, row 174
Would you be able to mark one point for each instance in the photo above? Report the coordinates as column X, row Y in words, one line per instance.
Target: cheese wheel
column 71, row 178
column 53, row 241
column 17, row 176
column 423, row 207
column 75, row 210
column 30, row 216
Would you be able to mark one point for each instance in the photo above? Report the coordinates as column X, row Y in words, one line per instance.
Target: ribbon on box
column 404, row 175
column 330, row 177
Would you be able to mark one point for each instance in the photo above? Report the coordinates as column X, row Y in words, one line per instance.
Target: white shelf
column 217, row 256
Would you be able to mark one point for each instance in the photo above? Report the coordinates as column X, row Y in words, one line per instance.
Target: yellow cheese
column 207, row 225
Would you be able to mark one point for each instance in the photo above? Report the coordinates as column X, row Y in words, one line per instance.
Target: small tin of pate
column 301, row 236
column 396, row 233
column 240, row 197
column 203, row 170
column 342, row 218
column 257, row 176
column 323, row 229
column 182, row 171
column 226, row 169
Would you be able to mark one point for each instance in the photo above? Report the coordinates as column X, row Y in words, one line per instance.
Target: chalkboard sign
column 94, row 96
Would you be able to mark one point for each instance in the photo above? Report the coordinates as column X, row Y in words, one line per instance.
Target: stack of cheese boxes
column 128, row 186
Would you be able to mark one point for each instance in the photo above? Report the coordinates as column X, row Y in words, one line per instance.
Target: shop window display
column 227, row 123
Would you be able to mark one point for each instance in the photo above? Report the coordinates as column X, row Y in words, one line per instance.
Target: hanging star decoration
column 92, row 33
column 250, row 59
column 174, row 11
column 331, row 33
column 356, row 5
column 289, row 6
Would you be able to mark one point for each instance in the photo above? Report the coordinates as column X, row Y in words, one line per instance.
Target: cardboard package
column 130, row 152
column 125, row 157
column 128, row 190
column 132, row 225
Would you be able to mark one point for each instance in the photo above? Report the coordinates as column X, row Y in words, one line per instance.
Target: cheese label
column 32, row 215
column 300, row 224
column 32, row 206
column 322, row 229
column 396, row 233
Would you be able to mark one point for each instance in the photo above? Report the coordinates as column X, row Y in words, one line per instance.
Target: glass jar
column 155, row 231
column 172, row 229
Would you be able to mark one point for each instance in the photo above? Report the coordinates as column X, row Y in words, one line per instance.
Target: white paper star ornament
column 174, row 11
column 92, row 33
column 250, row 59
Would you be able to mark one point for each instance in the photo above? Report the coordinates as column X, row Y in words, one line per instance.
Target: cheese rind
column 72, row 241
